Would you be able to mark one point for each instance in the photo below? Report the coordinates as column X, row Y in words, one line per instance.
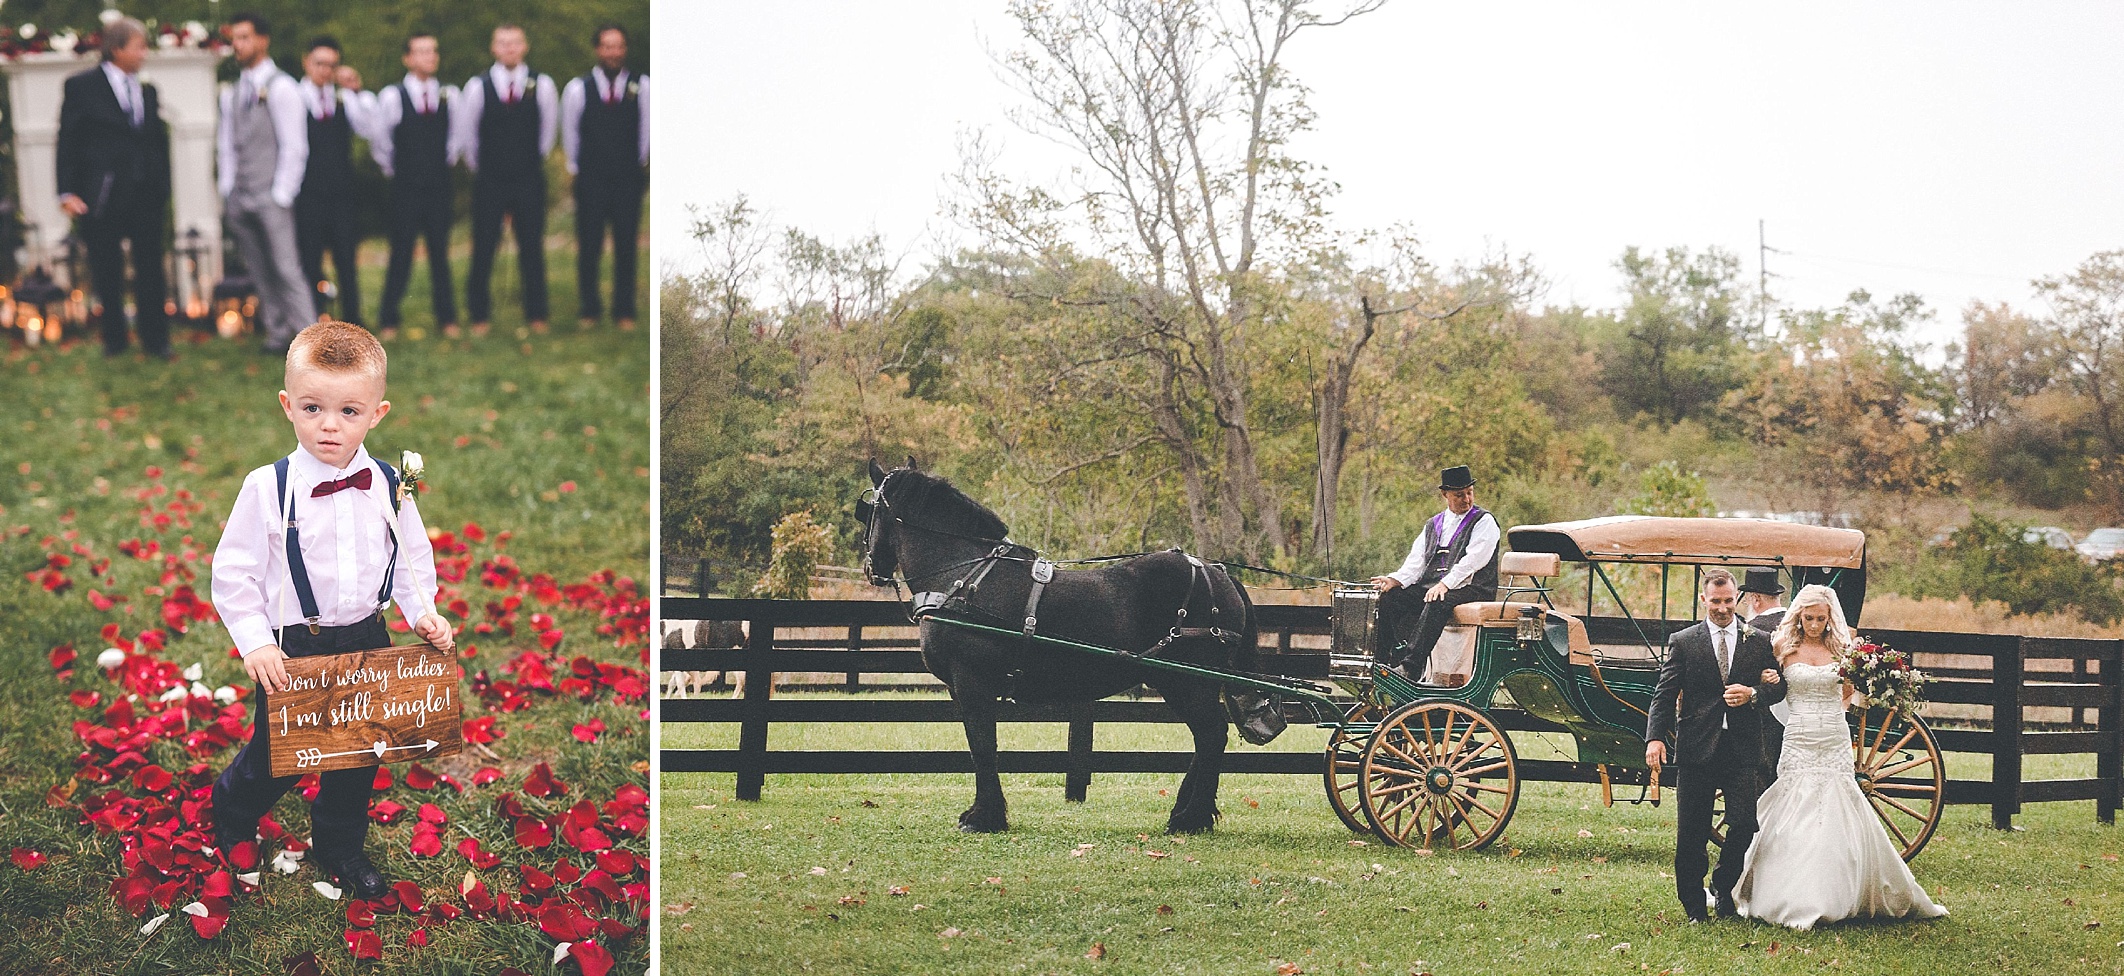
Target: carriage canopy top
column 1717, row 541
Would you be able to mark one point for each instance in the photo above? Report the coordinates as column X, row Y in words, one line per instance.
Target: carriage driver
column 1454, row 561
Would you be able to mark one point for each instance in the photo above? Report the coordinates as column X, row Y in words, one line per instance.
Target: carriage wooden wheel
column 1345, row 759
column 1438, row 774
column 1898, row 765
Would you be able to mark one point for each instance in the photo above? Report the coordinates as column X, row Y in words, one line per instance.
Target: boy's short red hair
column 337, row 347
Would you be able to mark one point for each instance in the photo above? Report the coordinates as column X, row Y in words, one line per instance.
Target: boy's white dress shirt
column 344, row 547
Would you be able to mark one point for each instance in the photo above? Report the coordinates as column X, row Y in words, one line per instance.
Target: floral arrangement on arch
column 1882, row 677
column 33, row 39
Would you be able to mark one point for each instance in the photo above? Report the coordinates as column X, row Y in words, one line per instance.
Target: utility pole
column 1762, row 281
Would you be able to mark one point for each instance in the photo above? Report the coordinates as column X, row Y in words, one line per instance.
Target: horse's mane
column 942, row 505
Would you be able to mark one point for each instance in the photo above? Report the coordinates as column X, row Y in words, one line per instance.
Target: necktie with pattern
column 1725, row 656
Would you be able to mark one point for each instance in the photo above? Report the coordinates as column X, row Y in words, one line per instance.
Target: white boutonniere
column 634, row 88
column 411, row 475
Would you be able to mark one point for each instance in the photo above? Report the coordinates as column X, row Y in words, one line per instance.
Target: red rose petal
column 364, row 944
column 592, row 957
column 616, row 863
column 26, row 859
column 409, row 897
column 532, row 832
column 383, row 779
column 360, row 915
column 427, row 845
column 420, row 778
column 486, row 774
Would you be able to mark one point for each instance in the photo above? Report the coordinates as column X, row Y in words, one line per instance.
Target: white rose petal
column 196, row 908
column 225, row 695
column 195, row 672
column 176, row 692
column 560, row 952
column 325, row 888
column 821, row 872
column 200, row 691
column 154, row 923
column 249, row 879
column 110, row 658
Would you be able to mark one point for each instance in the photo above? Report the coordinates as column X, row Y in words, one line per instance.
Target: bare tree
column 1180, row 114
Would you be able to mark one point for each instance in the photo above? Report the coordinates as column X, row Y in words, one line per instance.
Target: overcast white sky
column 1956, row 150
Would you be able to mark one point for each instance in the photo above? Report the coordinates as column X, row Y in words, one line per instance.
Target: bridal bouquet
column 1882, row 677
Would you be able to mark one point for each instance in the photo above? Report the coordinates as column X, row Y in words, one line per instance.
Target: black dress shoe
column 226, row 839
column 1726, row 908
column 357, row 876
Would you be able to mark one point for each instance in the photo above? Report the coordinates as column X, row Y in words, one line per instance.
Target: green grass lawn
column 541, row 436
column 804, row 880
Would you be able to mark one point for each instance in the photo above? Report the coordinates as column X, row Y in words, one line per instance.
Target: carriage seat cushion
column 1536, row 564
column 1495, row 614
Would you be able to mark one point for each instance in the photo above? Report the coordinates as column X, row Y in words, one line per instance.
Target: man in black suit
column 1760, row 591
column 114, row 177
column 1710, row 700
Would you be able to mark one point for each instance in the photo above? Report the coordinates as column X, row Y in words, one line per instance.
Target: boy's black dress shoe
column 1726, row 908
column 357, row 876
column 225, row 839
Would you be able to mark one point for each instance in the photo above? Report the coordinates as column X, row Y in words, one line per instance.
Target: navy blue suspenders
column 305, row 596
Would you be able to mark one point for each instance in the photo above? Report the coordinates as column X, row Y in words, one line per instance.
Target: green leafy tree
column 800, row 545
column 1993, row 560
column 1669, row 490
column 1671, row 353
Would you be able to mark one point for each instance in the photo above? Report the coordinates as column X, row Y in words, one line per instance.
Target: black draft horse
column 953, row 553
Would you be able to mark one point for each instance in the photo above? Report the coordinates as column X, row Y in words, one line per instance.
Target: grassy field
column 539, row 440
column 805, row 880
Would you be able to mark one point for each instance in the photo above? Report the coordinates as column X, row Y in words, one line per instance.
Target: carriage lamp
column 7, row 307
column 75, row 308
column 235, row 304
column 1529, row 631
column 191, row 254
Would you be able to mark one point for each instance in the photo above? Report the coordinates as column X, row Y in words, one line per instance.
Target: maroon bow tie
column 359, row 480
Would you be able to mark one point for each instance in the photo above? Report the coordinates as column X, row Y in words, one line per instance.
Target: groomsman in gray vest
column 511, row 116
column 265, row 148
column 1454, row 561
column 605, row 134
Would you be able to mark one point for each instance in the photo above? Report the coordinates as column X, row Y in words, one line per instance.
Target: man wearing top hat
column 1759, row 593
column 1453, row 561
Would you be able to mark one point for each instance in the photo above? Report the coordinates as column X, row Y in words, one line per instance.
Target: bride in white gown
column 1821, row 854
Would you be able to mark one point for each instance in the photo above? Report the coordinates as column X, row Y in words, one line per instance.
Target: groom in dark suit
column 114, row 177
column 1707, row 720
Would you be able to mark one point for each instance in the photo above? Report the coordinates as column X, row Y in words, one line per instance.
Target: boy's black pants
column 339, row 819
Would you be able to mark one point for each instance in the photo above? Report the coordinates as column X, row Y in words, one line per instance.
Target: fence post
column 700, row 577
column 752, row 733
column 855, row 643
column 1076, row 783
column 2005, row 732
column 2109, row 766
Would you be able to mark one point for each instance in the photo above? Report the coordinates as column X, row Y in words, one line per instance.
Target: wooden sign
column 365, row 708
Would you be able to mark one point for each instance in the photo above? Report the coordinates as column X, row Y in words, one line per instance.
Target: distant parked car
column 2101, row 544
column 2049, row 535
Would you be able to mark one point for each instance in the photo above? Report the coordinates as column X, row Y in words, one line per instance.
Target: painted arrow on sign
column 311, row 757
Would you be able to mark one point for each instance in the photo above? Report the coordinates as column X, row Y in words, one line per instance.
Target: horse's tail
column 1258, row 715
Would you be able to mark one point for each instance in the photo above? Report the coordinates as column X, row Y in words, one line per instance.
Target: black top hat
column 1455, row 478
column 1763, row 580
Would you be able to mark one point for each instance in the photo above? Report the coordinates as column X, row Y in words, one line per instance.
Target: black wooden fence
column 2001, row 695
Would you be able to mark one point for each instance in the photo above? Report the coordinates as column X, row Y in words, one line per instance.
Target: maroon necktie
column 357, row 480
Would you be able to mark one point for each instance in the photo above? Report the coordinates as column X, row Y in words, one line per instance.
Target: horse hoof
column 972, row 823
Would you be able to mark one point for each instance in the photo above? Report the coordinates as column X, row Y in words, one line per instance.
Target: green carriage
column 1430, row 763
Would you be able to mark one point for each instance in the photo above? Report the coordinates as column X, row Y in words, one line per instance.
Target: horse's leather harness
column 960, row 595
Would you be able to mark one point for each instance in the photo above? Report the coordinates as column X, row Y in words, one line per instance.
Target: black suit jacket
column 1690, row 700
column 1768, row 620
column 103, row 159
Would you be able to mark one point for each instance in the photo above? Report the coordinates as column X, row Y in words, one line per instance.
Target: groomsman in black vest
column 411, row 138
column 114, row 177
column 1454, row 561
column 605, row 133
column 511, row 116
column 324, row 211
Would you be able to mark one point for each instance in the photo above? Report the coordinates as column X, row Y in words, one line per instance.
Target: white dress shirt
column 290, row 127
column 359, row 106
column 344, row 548
column 389, row 110
column 127, row 88
column 573, row 96
column 501, row 79
column 1482, row 544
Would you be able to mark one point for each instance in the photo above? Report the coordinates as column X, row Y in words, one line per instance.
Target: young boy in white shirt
column 317, row 547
